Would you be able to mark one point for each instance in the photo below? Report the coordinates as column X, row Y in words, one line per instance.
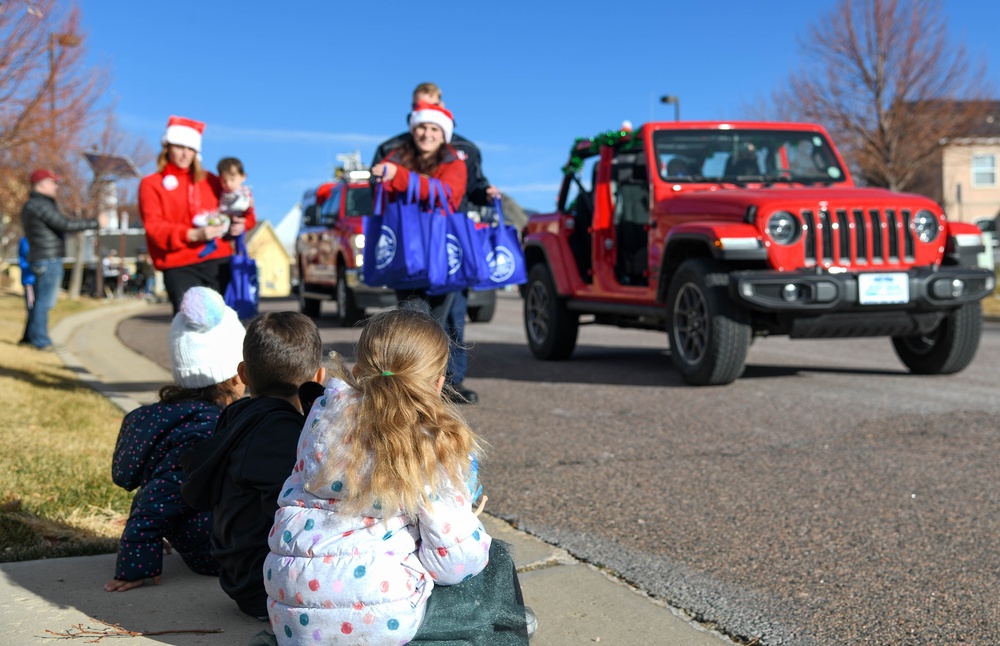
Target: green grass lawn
column 57, row 437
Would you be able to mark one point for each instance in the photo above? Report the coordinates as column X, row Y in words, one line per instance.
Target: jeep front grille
column 848, row 237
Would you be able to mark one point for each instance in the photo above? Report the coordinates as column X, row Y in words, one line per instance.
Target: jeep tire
column 949, row 348
column 347, row 309
column 308, row 306
column 483, row 313
column 551, row 328
column 709, row 333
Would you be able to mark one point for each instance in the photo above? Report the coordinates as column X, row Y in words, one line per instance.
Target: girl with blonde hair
column 378, row 512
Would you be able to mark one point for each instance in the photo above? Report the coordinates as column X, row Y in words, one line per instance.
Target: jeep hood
column 735, row 201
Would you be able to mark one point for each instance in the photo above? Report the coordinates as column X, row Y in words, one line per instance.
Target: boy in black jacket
column 239, row 472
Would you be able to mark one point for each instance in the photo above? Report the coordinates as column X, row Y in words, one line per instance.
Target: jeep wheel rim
column 538, row 313
column 691, row 324
column 924, row 344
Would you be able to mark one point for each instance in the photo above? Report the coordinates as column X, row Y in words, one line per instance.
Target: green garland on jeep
column 717, row 232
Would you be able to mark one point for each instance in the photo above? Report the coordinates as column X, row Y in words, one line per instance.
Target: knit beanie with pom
column 206, row 340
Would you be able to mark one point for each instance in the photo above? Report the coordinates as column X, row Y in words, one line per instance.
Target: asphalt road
column 826, row 497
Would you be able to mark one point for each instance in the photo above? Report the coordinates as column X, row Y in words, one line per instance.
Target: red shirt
column 451, row 172
column 168, row 202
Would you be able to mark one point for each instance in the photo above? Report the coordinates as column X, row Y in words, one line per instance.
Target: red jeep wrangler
column 717, row 232
column 329, row 254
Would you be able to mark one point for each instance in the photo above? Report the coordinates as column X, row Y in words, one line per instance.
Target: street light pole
column 64, row 41
column 676, row 100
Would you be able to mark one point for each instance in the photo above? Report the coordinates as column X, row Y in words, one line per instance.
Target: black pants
column 211, row 273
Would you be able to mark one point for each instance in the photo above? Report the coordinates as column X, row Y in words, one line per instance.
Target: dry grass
column 991, row 305
column 56, row 441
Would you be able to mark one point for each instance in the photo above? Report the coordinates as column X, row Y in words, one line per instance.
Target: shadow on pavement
column 183, row 601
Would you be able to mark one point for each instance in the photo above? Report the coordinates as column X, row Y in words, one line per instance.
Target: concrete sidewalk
column 575, row 602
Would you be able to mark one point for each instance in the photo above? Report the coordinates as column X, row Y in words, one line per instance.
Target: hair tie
column 386, row 373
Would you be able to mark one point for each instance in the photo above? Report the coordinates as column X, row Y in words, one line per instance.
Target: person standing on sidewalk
column 44, row 227
column 27, row 283
column 172, row 201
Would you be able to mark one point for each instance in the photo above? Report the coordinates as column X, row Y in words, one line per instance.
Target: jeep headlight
column 925, row 225
column 782, row 227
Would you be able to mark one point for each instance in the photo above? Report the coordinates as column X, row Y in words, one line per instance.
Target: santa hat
column 184, row 132
column 432, row 113
column 206, row 340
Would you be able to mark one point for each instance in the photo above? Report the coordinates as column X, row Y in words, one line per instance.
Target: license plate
column 883, row 289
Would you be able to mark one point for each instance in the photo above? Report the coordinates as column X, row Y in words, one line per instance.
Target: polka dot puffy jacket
column 334, row 578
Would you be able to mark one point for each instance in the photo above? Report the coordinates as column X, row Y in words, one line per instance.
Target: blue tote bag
column 400, row 252
column 460, row 265
column 396, row 240
column 503, row 258
column 243, row 291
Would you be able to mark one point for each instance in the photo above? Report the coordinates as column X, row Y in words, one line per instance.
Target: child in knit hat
column 206, row 347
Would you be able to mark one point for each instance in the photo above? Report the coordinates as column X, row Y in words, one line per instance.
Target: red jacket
column 168, row 202
column 451, row 172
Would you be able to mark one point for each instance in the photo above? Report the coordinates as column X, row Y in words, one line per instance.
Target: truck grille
column 857, row 237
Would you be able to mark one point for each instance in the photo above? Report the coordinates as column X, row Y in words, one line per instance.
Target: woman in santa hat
column 179, row 204
column 426, row 152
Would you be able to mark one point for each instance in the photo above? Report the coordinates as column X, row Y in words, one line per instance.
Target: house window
column 984, row 171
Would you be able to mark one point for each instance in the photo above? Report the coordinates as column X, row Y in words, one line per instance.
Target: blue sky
column 286, row 86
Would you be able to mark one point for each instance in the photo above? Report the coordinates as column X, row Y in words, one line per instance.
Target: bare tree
column 111, row 140
column 48, row 100
column 885, row 78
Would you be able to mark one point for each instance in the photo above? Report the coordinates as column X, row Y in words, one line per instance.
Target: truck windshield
column 359, row 201
column 789, row 156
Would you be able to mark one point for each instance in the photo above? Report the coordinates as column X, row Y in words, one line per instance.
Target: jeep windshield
column 359, row 201
column 742, row 156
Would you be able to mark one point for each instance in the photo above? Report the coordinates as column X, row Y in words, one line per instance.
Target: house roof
column 263, row 232
column 988, row 126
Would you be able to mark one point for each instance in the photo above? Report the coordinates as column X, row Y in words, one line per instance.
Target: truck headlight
column 359, row 241
column 926, row 226
column 782, row 227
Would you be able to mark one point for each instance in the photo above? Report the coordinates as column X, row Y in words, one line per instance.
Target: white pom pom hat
column 206, row 340
column 184, row 132
column 433, row 113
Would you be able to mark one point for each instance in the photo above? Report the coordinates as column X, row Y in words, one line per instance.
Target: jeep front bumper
column 918, row 289
column 808, row 304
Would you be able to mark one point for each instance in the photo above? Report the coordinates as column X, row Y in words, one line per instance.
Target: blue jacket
column 147, row 457
column 27, row 276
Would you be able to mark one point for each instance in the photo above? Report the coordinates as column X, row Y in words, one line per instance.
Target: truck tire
column 948, row 349
column 348, row 310
column 551, row 328
column 484, row 313
column 709, row 333
column 308, row 306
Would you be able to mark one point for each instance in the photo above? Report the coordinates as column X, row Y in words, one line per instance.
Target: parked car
column 717, row 232
column 989, row 225
column 329, row 254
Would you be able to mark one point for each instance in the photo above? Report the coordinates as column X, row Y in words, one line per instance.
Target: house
column 968, row 183
column 273, row 261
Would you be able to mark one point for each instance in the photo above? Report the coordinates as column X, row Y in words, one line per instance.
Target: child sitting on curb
column 206, row 345
column 239, row 472
column 377, row 515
